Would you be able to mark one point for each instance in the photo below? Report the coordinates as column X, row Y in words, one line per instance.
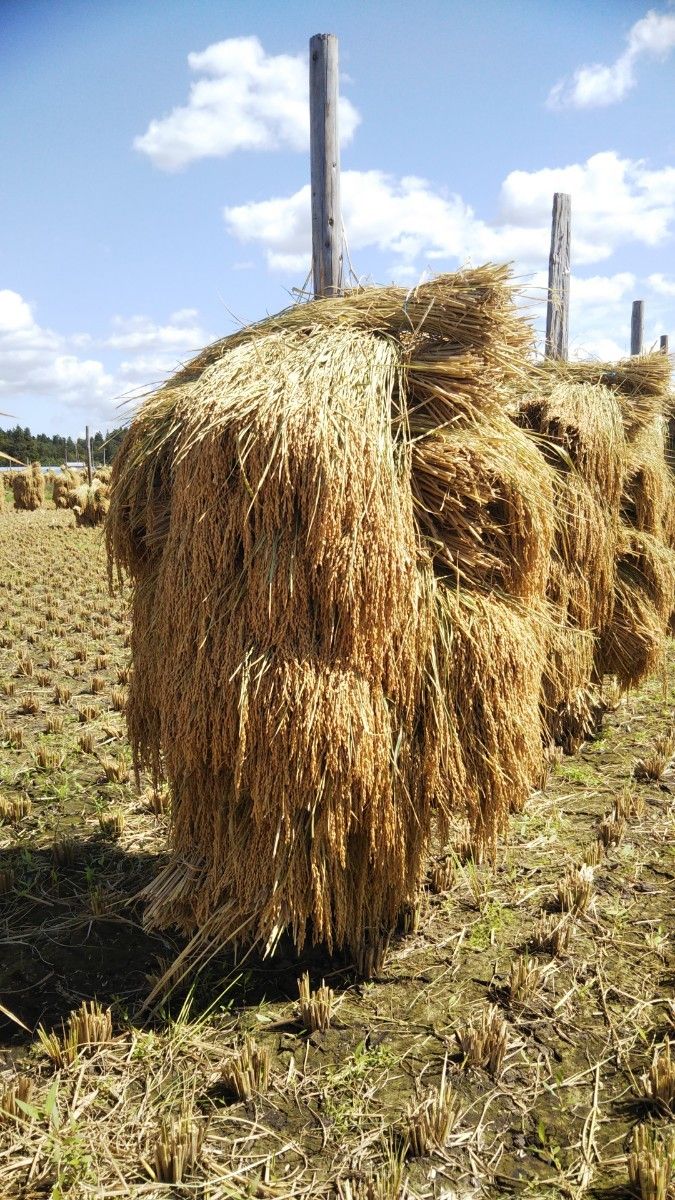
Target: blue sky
column 155, row 166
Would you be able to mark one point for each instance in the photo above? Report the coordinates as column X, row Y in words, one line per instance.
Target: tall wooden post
column 558, row 306
column 327, row 249
column 663, row 343
column 90, row 469
column 637, row 322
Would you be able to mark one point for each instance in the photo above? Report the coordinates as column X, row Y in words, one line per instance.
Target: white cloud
column 15, row 314
column 36, row 361
column 601, row 289
column 598, row 84
column 665, row 287
column 244, row 99
column 182, row 332
column 615, row 201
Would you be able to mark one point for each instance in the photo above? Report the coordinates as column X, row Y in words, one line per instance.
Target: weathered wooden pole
column 637, row 323
column 90, row 469
column 558, row 305
column 327, row 251
column 663, row 343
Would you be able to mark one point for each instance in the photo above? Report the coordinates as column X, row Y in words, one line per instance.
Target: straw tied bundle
column 342, row 549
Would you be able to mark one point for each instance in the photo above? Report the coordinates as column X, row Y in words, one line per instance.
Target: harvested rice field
column 516, row 1036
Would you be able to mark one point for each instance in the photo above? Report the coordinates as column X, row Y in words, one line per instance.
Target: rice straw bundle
column 290, row 639
column 90, row 504
column 2, row 493
column 488, row 661
column 569, row 702
column 484, row 501
column 641, row 383
column 648, row 502
column 634, row 644
column 581, row 576
column 579, row 428
column 29, row 488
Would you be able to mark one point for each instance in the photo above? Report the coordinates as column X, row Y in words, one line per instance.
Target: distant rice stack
column 65, row 486
column 29, row 488
column 90, row 503
column 320, row 655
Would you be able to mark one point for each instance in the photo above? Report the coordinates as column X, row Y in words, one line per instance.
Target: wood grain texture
column 558, row 306
column 327, row 253
column 637, row 322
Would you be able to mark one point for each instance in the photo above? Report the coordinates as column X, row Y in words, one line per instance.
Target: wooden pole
column 558, row 305
column 637, row 322
column 90, row 470
column 327, row 249
column 663, row 343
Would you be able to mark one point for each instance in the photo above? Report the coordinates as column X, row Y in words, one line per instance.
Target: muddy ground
column 572, row 1071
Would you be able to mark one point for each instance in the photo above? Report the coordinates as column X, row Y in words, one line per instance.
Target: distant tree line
column 53, row 451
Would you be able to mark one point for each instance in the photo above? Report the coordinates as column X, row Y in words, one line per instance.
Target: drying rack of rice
column 373, row 557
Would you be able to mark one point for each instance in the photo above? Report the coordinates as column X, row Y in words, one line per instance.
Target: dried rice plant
column 650, row 1162
column 484, row 1043
column 246, row 1072
column 579, row 430
column 641, row 384
column 65, row 485
column 427, row 1124
column 484, row 704
column 648, row 501
column 29, row 488
column 484, row 502
column 575, row 891
column 578, row 426
column 177, row 1148
column 292, row 703
column 659, row 1082
column 299, row 672
column 90, row 504
column 13, row 1096
column 330, row 525
column 633, row 645
column 315, row 1008
column 570, row 704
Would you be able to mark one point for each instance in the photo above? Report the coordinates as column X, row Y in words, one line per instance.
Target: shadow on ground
column 73, row 930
